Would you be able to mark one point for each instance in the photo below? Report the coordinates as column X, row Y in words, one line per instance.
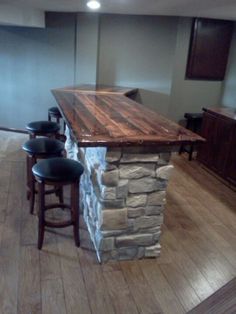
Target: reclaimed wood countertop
column 105, row 116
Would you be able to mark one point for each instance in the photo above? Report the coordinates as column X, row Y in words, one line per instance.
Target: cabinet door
column 214, row 153
column 231, row 162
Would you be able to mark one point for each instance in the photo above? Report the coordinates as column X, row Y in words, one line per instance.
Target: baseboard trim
column 2, row 128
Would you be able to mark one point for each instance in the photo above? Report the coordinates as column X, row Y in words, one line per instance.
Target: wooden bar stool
column 42, row 128
column 58, row 172
column 55, row 113
column 193, row 123
column 39, row 148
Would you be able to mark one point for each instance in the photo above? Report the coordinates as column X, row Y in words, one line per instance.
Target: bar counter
column 125, row 149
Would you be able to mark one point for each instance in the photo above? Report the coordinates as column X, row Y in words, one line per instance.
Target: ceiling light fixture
column 94, row 5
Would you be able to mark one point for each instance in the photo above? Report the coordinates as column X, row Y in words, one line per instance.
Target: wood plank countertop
column 105, row 116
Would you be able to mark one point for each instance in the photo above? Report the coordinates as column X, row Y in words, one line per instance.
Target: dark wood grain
column 209, row 49
column 104, row 116
column 222, row 301
column 218, row 153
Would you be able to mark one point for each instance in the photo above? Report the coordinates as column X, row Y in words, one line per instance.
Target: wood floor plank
column 181, row 286
column 139, row 287
column 186, row 266
column 199, row 231
column 160, row 287
column 29, row 288
column 123, row 301
column 99, row 298
column 76, row 297
column 197, row 258
column 9, row 247
column 53, row 297
column 5, row 167
column 222, row 301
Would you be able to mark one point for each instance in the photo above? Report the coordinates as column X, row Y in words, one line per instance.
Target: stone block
column 110, row 178
column 152, row 230
column 114, row 219
column 153, row 251
column 148, row 222
column 134, row 239
column 131, row 158
column 136, row 200
column 135, row 212
column 143, row 185
column 125, row 253
column 156, row 198
column 85, row 240
column 109, row 167
column 136, row 171
column 113, row 155
column 156, row 236
column 164, row 172
column 116, row 203
column 164, row 158
column 108, row 193
column 112, row 233
column 106, row 244
column 153, row 210
column 122, row 189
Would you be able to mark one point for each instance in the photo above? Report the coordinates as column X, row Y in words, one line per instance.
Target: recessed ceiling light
column 94, row 5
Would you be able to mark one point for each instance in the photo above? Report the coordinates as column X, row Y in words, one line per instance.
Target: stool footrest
column 57, row 205
column 61, row 224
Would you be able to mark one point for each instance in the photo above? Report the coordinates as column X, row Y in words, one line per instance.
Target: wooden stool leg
column 41, row 217
column 28, row 177
column 190, row 157
column 75, row 211
column 31, row 185
column 60, row 195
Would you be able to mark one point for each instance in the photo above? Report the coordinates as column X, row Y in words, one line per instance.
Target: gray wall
column 229, row 92
column 33, row 61
column 189, row 95
column 87, row 48
column 137, row 51
column 148, row 52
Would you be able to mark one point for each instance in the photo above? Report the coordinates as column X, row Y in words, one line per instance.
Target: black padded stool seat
column 58, row 172
column 54, row 111
column 42, row 128
column 193, row 116
column 39, row 148
column 43, row 147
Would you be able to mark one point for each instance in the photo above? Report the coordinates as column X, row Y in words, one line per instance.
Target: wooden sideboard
column 219, row 151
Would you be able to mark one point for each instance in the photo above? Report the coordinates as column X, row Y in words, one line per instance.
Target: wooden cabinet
column 209, row 49
column 219, row 151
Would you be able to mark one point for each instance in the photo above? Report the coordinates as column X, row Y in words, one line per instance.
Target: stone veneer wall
column 122, row 197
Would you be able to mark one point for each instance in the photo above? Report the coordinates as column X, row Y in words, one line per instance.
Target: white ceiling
column 224, row 9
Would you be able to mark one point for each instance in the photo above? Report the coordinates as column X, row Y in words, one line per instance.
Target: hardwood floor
column 198, row 251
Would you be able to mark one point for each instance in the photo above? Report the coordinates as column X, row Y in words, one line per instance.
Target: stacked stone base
column 122, row 197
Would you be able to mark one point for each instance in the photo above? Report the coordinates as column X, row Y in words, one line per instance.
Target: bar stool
column 42, row 128
column 40, row 148
column 58, row 172
column 55, row 113
column 193, row 123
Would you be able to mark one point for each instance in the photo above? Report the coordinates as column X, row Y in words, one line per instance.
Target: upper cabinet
column 209, row 49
